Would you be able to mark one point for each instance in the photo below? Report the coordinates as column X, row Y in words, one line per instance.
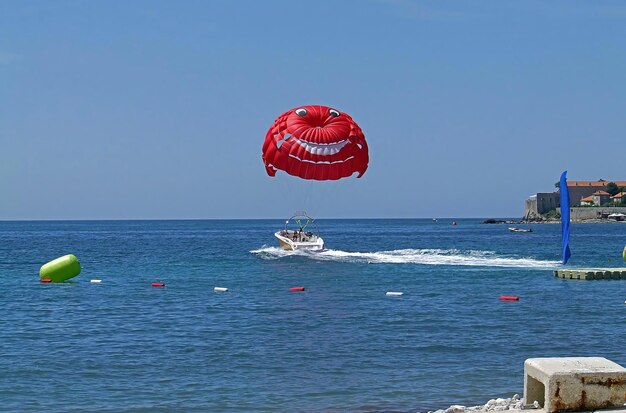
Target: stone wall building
column 586, row 213
column 544, row 202
column 540, row 204
column 581, row 189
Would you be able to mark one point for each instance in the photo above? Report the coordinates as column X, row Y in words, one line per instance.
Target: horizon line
column 232, row 219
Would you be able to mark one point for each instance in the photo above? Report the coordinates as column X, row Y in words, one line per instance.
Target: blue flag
column 564, row 216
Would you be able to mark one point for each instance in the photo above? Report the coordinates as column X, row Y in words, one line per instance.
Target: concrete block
column 570, row 384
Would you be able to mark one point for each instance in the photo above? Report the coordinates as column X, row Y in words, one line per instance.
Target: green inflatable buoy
column 624, row 254
column 61, row 269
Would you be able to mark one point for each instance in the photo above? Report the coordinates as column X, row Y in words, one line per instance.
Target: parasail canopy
column 315, row 142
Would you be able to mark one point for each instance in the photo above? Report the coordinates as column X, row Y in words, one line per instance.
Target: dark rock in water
column 492, row 221
column 499, row 221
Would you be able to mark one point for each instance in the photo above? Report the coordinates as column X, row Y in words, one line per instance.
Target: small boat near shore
column 304, row 236
column 514, row 229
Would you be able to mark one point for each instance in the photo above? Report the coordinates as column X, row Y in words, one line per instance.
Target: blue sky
column 155, row 109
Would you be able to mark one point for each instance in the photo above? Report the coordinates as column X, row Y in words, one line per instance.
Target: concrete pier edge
column 562, row 384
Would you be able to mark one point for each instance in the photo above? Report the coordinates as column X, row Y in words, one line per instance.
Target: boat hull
column 287, row 243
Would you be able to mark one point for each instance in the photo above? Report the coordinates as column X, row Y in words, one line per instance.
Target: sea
column 341, row 345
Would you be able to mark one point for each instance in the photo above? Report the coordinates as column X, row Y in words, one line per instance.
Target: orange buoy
column 45, row 280
column 158, row 284
column 509, row 298
column 296, row 289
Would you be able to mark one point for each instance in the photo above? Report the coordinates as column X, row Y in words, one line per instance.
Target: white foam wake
column 413, row 256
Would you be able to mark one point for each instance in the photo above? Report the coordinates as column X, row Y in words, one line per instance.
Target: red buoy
column 45, row 280
column 296, row 289
column 509, row 298
column 158, row 284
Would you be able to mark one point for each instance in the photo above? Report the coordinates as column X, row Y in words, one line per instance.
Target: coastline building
column 541, row 203
column 587, row 201
column 581, row 193
column 581, row 189
column 619, row 198
column 600, row 198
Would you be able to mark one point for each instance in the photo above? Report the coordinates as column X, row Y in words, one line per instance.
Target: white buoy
column 95, row 281
column 220, row 289
column 394, row 293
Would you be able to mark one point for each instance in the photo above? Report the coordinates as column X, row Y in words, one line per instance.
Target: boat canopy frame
column 303, row 220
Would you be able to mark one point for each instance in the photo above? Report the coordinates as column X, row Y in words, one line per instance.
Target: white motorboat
column 513, row 229
column 303, row 235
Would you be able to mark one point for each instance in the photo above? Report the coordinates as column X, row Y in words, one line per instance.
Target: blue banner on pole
column 564, row 216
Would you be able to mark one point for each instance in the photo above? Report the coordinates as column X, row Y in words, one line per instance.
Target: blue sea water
column 342, row 345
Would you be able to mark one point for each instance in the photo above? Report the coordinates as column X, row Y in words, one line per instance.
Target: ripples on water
column 342, row 345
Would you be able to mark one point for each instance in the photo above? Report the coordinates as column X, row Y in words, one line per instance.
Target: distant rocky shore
column 541, row 220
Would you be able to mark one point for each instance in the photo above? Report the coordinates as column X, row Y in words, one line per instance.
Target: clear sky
column 158, row 109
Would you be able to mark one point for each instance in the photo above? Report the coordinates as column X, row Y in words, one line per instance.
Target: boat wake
column 412, row 256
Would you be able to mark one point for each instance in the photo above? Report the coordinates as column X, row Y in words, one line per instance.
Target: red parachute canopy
column 315, row 142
